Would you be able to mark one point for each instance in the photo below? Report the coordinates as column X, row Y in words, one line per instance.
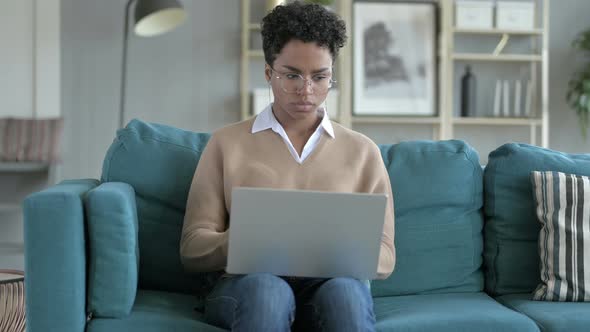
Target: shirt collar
column 267, row 120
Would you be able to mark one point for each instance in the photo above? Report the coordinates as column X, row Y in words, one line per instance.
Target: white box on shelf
column 515, row 15
column 261, row 99
column 474, row 14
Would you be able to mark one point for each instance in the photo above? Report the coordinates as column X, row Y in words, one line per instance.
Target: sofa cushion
column 438, row 197
column 563, row 208
column 551, row 316
column 512, row 229
column 159, row 162
column 448, row 312
column 113, row 263
column 156, row 311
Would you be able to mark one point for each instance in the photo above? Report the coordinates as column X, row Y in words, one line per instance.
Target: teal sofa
column 465, row 238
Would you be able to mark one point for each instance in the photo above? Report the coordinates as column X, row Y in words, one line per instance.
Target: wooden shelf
column 256, row 53
column 19, row 167
column 533, row 32
column 501, row 57
column 395, row 119
column 254, row 26
column 497, row 121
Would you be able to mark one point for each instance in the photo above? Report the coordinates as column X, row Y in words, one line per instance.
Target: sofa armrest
column 55, row 257
column 113, row 251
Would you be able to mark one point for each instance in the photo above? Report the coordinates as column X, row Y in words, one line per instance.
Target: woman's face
column 313, row 63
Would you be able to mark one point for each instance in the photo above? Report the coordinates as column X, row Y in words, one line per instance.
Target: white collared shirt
column 267, row 120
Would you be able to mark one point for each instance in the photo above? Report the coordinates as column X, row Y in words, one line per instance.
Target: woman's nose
column 307, row 88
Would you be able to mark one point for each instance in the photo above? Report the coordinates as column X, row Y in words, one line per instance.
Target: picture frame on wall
column 394, row 58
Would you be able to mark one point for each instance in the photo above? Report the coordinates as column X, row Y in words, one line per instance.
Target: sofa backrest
column 159, row 162
column 437, row 189
column 438, row 196
column 512, row 228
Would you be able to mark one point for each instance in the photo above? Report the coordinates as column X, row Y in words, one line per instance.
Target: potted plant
column 578, row 94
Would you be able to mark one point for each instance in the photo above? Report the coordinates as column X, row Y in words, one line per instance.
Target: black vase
column 468, row 98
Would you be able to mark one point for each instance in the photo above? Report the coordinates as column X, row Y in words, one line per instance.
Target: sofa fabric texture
column 438, row 198
column 111, row 218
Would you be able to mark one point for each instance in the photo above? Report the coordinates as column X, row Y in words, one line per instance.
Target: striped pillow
column 563, row 208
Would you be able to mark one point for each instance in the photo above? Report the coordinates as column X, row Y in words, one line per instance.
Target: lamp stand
column 124, row 66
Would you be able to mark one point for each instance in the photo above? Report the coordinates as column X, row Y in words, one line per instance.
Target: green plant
column 578, row 94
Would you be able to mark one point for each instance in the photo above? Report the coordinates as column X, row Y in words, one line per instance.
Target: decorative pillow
column 113, row 259
column 563, row 208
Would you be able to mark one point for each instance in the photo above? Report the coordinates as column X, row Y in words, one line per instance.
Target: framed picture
column 394, row 58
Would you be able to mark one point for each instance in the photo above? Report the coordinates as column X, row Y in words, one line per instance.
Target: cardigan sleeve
column 387, row 251
column 204, row 241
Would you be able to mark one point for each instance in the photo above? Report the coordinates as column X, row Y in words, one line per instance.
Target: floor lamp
column 152, row 18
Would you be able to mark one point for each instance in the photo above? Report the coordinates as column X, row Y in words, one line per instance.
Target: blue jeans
column 264, row 302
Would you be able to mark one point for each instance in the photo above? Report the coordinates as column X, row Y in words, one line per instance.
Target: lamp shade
column 154, row 17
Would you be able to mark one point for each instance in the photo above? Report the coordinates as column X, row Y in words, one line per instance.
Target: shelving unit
column 497, row 31
column 443, row 125
column 497, row 121
column 501, row 57
column 395, row 120
column 537, row 59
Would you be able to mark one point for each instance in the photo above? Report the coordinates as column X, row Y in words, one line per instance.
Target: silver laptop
column 305, row 233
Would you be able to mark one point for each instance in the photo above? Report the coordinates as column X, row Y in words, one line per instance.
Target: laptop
column 300, row 233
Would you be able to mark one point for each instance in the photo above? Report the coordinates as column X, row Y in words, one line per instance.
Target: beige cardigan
column 235, row 157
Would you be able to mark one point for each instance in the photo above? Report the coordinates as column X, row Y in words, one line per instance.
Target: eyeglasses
column 293, row 83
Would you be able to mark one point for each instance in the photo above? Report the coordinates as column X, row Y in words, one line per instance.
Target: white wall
column 189, row 79
column 30, row 58
column 16, row 58
column 568, row 17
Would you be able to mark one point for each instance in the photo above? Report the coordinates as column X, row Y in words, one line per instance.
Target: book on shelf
column 506, row 99
column 523, row 94
column 517, row 99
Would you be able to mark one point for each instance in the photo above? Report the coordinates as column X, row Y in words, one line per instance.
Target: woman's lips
column 304, row 107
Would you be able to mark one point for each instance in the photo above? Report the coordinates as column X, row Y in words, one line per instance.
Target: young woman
column 292, row 144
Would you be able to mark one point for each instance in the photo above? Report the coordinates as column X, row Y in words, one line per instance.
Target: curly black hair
column 306, row 22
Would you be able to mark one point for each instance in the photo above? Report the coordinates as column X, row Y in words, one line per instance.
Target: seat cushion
column 453, row 312
column 551, row 316
column 159, row 162
column 512, row 228
column 113, row 255
column 156, row 311
column 438, row 197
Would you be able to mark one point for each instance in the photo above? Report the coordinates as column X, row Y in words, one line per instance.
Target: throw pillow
column 563, row 208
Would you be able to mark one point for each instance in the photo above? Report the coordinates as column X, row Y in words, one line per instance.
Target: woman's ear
column 267, row 73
